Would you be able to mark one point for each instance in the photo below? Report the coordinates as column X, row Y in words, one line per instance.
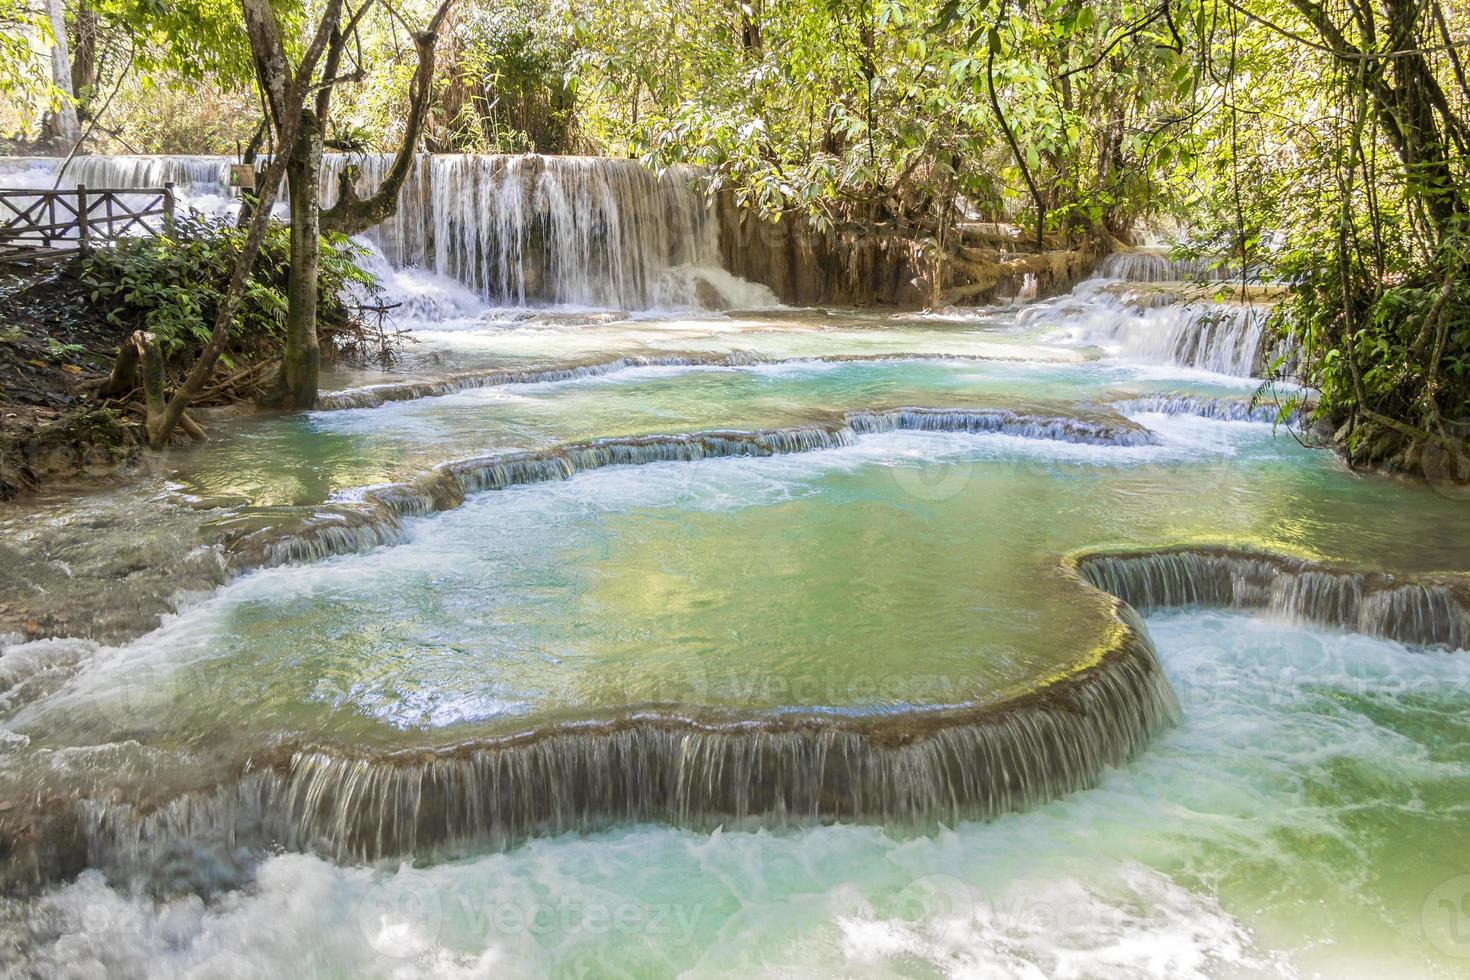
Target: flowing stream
column 634, row 625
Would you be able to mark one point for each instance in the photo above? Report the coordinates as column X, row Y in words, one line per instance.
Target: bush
column 171, row 287
column 1387, row 351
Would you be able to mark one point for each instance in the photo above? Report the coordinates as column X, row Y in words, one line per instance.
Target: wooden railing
column 37, row 223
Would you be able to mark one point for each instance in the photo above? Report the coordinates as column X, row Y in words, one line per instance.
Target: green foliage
column 22, row 77
column 172, row 287
column 508, row 81
column 886, row 110
column 57, row 351
column 189, row 39
column 1396, row 345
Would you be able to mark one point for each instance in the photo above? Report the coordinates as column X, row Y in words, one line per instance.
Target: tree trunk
column 297, row 385
column 61, row 125
column 301, row 362
column 150, row 359
column 287, row 92
column 124, row 377
column 84, row 59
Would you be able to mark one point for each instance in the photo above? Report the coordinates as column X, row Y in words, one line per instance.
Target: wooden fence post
column 168, row 208
column 84, row 231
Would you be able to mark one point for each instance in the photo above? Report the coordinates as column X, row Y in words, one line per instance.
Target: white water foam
column 1205, row 858
column 1202, row 338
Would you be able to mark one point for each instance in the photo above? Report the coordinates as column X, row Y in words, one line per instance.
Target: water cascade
column 706, row 768
column 1422, row 611
column 1223, row 338
column 556, row 230
column 371, row 516
column 1207, row 407
column 700, row 769
column 516, row 229
column 1156, row 265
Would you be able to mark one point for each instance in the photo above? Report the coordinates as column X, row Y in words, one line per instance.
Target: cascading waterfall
column 529, row 229
column 1156, row 265
column 569, row 230
column 1423, row 611
column 196, row 176
column 516, row 229
column 919, row 768
column 371, row 516
column 1216, row 409
column 1224, row 338
column 533, row 230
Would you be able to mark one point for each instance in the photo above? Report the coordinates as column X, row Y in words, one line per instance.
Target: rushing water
column 511, row 229
column 596, row 642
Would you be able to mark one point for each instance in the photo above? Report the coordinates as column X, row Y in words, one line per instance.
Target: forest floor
column 54, row 353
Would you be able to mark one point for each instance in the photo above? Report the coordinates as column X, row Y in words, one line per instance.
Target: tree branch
column 351, row 214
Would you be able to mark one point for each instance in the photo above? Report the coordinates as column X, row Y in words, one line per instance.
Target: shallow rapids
column 1241, row 843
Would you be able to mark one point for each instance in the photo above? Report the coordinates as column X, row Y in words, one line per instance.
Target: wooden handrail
column 81, row 218
column 40, row 191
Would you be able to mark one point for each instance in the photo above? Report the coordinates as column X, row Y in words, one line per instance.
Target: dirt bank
column 55, row 351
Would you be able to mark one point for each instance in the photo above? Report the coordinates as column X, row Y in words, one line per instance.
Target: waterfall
column 1224, row 338
column 1417, row 611
column 1217, row 409
column 705, row 768
column 1156, row 265
column 199, row 176
column 921, row 767
column 1058, row 429
column 536, row 230
column 516, row 230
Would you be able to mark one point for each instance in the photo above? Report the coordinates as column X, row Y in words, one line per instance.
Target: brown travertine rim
column 972, row 760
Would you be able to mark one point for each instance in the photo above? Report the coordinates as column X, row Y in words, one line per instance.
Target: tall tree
column 286, row 89
column 62, row 125
column 297, row 383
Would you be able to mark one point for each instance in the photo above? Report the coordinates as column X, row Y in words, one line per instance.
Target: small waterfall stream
column 1151, row 328
column 1153, row 264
